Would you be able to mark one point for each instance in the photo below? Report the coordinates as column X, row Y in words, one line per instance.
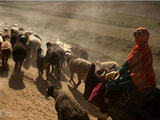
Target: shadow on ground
column 53, row 80
column 41, row 85
column 94, row 111
column 16, row 80
column 4, row 71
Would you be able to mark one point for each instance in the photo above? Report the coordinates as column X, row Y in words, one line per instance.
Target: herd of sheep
column 25, row 46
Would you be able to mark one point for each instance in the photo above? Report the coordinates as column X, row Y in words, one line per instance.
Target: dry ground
column 104, row 29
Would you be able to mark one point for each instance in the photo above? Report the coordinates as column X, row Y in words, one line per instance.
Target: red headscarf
column 140, row 61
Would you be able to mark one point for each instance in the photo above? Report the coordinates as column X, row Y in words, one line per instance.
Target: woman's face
column 137, row 34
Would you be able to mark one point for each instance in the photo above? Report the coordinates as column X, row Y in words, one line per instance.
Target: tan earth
column 103, row 29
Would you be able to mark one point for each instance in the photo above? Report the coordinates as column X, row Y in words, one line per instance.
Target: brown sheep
column 66, row 108
column 6, row 49
column 78, row 66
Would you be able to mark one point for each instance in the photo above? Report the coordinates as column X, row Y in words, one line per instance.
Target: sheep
column 19, row 52
column 66, row 108
column 107, row 64
column 64, row 46
column 53, row 57
column 78, row 66
column 6, row 49
column 41, row 61
column 34, row 43
column 6, row 33
column 21, row 32
column 21, row 29
column 60, row 50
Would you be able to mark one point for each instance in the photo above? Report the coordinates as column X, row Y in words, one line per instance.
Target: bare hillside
column 104, row 29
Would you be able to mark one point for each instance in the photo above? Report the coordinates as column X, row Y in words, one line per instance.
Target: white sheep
column 107, row 64
column 78, row 66
column 64, row 46
column 34, row 43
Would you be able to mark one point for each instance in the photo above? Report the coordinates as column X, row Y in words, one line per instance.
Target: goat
column 66, row 108
column 41, row 61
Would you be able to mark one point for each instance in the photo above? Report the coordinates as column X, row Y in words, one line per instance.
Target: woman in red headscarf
column 137, row 72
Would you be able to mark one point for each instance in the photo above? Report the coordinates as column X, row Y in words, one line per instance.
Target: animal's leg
column 7, row 60
column 47, row 70
column 3, row 64
column 16, row 65
column 71, row 78
column 40, row 72
column 59, row 116
column 79, row 81
column 20, row 65
column 59, row 70
column 52, row 69
column 59, row 67
column 28, row 55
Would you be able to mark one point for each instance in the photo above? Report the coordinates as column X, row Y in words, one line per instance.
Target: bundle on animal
column 19, row 52
column 53, row 58
column 41, row 61
column 66, row 108
column 6, row 49
column 78, row 66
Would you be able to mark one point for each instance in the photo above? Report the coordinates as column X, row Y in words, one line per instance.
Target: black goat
column 53, row 58
column 41, row 61
column 19, row 52
column 58, row 49
column 66, row 108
